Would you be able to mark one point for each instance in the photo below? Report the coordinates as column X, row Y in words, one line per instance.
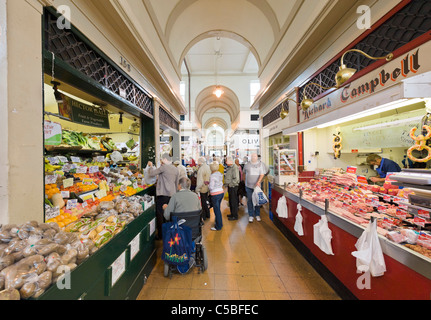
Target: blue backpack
column 177, row 243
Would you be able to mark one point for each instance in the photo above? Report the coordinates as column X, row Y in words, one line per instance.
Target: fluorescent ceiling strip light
column 383, row 108
column 389, row 124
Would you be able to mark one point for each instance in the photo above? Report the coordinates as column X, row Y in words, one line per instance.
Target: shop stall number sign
column 135, row 246
column 118, row 268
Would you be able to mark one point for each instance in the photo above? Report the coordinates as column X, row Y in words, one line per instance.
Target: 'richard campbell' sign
column 393, row 72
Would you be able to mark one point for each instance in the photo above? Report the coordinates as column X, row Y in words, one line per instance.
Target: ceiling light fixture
column 307, row 102
column 345, row 73
column 218, row 92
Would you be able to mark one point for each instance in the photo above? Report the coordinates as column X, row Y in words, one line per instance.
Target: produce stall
column 96, row 240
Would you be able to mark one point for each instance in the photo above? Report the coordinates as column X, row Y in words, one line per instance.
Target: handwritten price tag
column 68, row 183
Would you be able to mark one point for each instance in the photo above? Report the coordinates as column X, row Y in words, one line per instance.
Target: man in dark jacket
column 231, row 180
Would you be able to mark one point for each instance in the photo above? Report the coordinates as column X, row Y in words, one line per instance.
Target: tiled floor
column 246, row 261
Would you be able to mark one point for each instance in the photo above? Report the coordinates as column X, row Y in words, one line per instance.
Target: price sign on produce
column 75, row 159
column 81, row 169
column 93, row 169
column 68, row 183
column 87, row 181
column 71, row 204
column 51, row 179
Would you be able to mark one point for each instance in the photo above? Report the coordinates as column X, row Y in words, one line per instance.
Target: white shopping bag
column 369, row 256
column 259, row 198
column 323, row 235
column 282, row 208
column 149, row 180
column 298, row 222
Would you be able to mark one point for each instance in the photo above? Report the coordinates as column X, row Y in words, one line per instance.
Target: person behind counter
column 384, row 166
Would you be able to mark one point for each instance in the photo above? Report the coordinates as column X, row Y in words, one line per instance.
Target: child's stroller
column 199, row 256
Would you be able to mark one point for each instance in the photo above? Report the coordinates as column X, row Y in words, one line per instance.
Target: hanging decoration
column 336, row 144
column 420, row 145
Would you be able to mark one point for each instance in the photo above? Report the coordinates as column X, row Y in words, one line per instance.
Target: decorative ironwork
column 404, row 26
column 68, row 46
column 275, row 113
column 166, row 119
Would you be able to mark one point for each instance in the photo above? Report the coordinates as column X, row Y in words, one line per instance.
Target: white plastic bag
column 148, row 179
column 282, row 208
column 369, row 256
column 298, row 222
column 259, row 198
column 323, row 235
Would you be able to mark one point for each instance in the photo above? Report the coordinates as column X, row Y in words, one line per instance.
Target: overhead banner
column 82, row 113
column 393, row 72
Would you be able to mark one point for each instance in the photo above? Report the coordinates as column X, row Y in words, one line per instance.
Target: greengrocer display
column 398, row 219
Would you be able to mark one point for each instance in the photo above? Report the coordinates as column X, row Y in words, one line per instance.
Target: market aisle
column 245, row 261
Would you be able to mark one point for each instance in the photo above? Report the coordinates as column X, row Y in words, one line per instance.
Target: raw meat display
column 359, row 203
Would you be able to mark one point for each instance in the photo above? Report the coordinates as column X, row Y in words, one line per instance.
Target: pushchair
column 199, row 257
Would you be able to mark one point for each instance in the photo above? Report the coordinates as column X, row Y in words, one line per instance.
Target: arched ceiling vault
column 215, row 121
column 206, row 101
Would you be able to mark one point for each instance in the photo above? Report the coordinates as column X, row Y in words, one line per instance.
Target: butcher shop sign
column 392, row 73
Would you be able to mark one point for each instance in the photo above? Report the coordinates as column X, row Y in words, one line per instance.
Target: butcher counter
column 408, row 273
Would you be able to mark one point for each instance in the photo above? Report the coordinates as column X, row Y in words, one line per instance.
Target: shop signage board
column 393, row 72
column 82, row 113
column 53, row 133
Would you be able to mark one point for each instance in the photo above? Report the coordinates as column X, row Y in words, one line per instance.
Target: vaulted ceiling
column 266, row 38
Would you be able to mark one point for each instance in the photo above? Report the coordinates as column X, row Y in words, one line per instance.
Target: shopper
column 254, row 172
column 241, row 186
column 183, row 201
column 167, row 182
column 202, row 182
column 384, row 166
column 217, row 194
column 181, row 169
column 232, row 180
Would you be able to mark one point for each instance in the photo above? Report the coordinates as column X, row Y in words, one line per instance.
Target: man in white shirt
column 254, row 172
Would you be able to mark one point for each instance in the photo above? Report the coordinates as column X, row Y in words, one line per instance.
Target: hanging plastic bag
column 369, row 256
column 323, row 235
column 298, row 222
column 259, row 198
column 148, row 179
column 282, row 208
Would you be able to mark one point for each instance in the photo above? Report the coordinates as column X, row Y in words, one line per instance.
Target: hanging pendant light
column 284, row 113
column 307, row 102
column 218, row 92
column 344, row 74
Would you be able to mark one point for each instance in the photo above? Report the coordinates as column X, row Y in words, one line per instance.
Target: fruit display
column 359, row 203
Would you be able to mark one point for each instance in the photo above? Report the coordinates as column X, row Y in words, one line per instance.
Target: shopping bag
column 369, row 256
column 259, row 198
column 298, row 222
column 323, row 235
column 282, row 208
column 148, row 179
column 177, row 243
